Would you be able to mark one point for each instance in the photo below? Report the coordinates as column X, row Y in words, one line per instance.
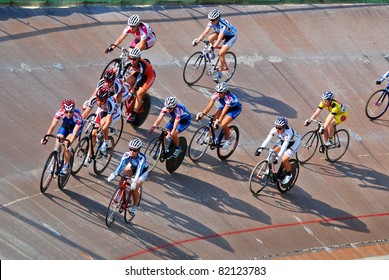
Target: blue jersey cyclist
column 133, row 163
column 230, row 107
column 223, row 30
column 180, row 120
column 71, row 127
column 286, row 146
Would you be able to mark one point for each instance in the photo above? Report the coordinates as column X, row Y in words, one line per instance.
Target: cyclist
column 223, row 30
column 229, row 109
column 286, row 146
column 133, row 163
column 337, row 115
column 141, row 78
column 180, row 120
column 144, row 36
column 108, row 113
column 71, row 127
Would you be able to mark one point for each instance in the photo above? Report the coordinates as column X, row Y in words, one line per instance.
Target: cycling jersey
column 335, row 107
column 225, row 27
column 145, row 74
column 144, row 32
column 118, row 88
column 288, row 139
column 229, row 99
column 109, row 108
column 138, row 165
column 76, row 119
column 179, row 113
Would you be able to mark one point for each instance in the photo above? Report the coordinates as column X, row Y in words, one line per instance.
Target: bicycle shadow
column 381, row 121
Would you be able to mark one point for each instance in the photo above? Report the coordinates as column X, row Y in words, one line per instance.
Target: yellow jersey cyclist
column 288, row 143
column 338, row 114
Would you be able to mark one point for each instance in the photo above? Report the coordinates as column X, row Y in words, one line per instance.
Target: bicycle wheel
column 48, row 172
column 113, row 64
column 144, row 110
column 173, row 163
column 80, row 153
column 234, row 138
column 63, row 179
column 309, row 143
column 199, row 143
column 87, row 127
column 377, row 104
column 194, row 68
column 259, row 177
column 229, row 67
column 116, row 130
column 127, row 214
column 102, row 159
column 153, row 153
column 340, row 146
column 114, row 206
column 295, row 170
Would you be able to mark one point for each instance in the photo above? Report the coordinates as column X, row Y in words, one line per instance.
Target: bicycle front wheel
column 114, row 64
column 234, row 139
column 309, row 143
column 199, row 143
column 116, row 130
column 114, row 206
column 229, row 67
column 340, row 146
column 102, row 159
column 153, row 153
column 48, row 171
column 377, row 104
column 194, row 68
column 79, row 156
column 259, row 177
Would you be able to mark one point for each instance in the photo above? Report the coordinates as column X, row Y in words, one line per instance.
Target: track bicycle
column 265, row 171
column 206, row 137
column 54, row 164
column 122, row 201
column 196, row 64
column 378, row 103
column 310, row 142
column 100, row 159
column 159, row 151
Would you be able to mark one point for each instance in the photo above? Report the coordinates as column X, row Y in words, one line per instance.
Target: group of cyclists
column 111, row 91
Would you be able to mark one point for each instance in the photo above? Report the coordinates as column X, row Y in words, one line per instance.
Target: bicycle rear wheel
column 113, row 64
column 194, row 68
column 144, row 111
column 283, row 188
column 377, row 104
column 234, row 138
column 172, row 163
column 114, row 206
column 309, row 143
column 116, row 130
column 127, row 214
column 48, row 172
column 229, row 68
column 153, row 153
column 260, row 176
column 199, row 143
column 340, row 146
column 102, row 159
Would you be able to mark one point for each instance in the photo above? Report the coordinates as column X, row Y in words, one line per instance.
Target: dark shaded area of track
column 287, row 56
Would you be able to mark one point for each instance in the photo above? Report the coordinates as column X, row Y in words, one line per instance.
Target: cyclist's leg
column 144, row 87
column 228, row 118
column 136, row 193
column 228, row 43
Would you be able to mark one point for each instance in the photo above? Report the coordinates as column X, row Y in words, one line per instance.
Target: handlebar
column 60, row 139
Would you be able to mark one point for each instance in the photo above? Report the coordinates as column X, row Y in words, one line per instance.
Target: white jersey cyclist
column 111, row 107
column 118, row 89
column 289, row 141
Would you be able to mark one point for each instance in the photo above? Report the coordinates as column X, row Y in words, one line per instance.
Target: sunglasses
column 279, row 127
column 133, row 58
column 69, row 112
column 134, row 150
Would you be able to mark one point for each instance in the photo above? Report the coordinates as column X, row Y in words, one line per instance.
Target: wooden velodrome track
column 287, row 56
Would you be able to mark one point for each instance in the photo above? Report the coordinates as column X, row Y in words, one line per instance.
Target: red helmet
column 109, row 75
column 102, row 93
column 68, row 104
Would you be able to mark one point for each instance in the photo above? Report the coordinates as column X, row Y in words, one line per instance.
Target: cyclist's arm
column 328, row 120
column 267, row 140
column 141, row 164
column 209, row 107
column 205, row 32
column 175, row 125
column 159, row 119
column 74, row 134
column 316, row 114
column 52, row 126
column 141, row 45
column 119, row 40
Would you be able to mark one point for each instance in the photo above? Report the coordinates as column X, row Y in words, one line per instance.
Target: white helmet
column 221, row 87
column 214, row 14
column 133, row 20
column 170, row 102
column 281, row 122
column 135, row 53
column 135, row 144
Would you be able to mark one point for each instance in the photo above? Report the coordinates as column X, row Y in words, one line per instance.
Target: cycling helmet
column 109, row 75
column 133, row 20
column 221, row 87
column 135, row 53
column 170, row 102
column 328, row 95
column 135, row 144
column 102, row 93
column 68, row 104
column 281, row 122
column 214, row 14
